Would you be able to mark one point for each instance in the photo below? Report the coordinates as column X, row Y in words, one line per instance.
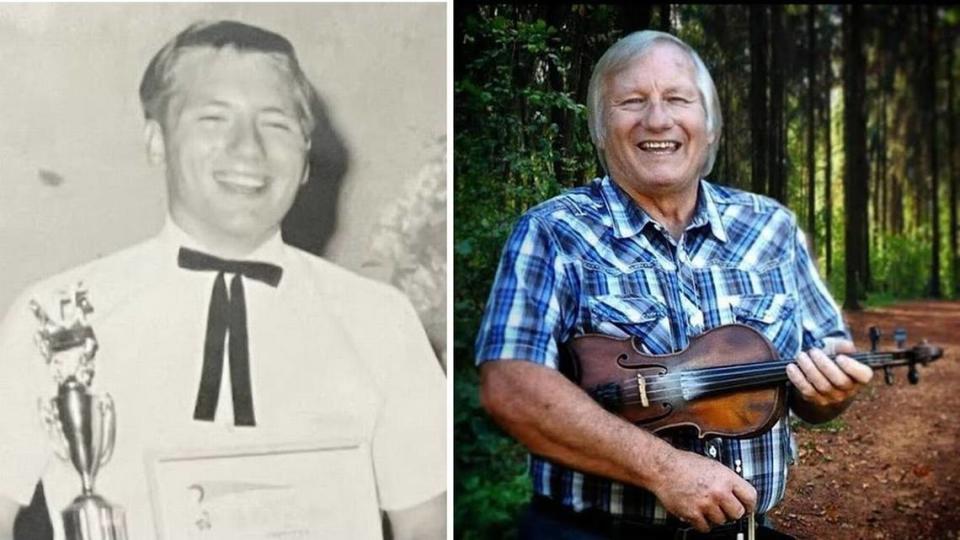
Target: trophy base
column 90, row 517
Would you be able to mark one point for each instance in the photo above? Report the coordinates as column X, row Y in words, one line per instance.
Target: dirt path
column 890, row 468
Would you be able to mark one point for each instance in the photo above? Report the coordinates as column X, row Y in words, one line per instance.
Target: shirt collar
column 710, row 214
column 630, row 219
column 174, row 237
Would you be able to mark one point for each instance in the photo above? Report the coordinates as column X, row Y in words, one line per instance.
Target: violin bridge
column 642, row 387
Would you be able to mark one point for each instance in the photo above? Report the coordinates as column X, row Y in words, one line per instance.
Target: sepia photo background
column 76, row 184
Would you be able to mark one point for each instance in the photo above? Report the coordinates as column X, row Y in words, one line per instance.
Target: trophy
column 81, row 425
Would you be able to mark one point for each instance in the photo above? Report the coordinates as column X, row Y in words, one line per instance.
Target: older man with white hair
column 656, row 252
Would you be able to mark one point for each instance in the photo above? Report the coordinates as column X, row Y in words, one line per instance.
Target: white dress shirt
column 334, row 357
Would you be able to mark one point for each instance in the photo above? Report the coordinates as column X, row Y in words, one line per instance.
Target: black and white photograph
column 225, row 275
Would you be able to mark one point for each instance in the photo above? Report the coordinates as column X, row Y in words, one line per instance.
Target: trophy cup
column 81, row 425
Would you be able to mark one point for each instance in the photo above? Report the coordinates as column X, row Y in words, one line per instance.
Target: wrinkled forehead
column 665, row 61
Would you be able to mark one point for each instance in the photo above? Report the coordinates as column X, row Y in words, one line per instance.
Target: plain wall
column 74, row 179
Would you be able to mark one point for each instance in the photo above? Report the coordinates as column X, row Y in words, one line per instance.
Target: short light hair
column 618, row 56
column 158, row 83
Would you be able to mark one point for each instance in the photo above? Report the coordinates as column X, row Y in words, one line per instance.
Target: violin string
column 731, row 377
column 659, row 399
column 771, row 374
column 869, row 359
column 866, row 358
column 672, row 393
column 770, row 377
column 768, row 373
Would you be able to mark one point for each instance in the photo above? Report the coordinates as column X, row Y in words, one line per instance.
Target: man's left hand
column 826, row 383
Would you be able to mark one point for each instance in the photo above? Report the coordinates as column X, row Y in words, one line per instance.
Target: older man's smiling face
column 656, row 137
column 233, row 146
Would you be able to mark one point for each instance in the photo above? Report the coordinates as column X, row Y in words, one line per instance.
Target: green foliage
column 836, row 281
column 490, row 480
column 881, row 299
column 901, row 269
column 835, row 425
column 517, row 136
column 506, row 147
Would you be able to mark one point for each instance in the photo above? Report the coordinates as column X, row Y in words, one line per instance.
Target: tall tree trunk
column 899, row 130
column 556, row 17
column 953, row 166
column 934, row 288
column 665, row 24
column 583, row 60
column 634, row 17
column 896, row 208
column 521, row 78
column 758, row 97
column 883, row 188
column 873, row 182
column 890, row 54
column 855, row 187
column 828, row 173
column 716, row 25
column 461, row 50
column 918, row 179
column 811, row 149
column 778, row 181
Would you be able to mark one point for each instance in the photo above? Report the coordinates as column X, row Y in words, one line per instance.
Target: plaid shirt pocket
column 771, row 315
column 633, row 316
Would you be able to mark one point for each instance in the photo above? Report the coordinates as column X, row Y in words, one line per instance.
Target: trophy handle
column 50, row 415
column 108, row 427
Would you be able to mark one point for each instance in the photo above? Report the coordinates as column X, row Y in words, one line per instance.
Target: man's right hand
column 703, row 492
column 554, row 418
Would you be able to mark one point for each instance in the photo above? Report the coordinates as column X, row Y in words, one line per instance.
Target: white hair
column 618, row 56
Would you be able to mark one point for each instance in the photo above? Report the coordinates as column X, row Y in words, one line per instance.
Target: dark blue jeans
column 536, row 525
column 547, row 522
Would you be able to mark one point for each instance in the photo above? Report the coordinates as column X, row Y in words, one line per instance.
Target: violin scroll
column 922, row 353
column 925, row 353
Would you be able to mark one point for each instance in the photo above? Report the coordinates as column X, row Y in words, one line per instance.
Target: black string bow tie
column 227, row 314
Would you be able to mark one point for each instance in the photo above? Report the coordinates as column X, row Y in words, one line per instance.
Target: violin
column 728, row 382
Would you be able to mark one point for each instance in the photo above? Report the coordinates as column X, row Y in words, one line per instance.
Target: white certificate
column 316, row 490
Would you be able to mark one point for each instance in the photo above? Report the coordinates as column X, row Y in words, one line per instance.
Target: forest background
column 846, row 114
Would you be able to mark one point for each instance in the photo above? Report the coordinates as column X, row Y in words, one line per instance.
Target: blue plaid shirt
column 592, row 261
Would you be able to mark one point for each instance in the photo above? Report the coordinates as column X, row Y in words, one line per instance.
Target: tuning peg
column 888, row 375
column 900, row 336
column 913, row 375
column 874, row 334
column 925, row 357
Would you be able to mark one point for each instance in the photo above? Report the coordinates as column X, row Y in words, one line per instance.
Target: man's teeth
column 659, row 145
column 242, row 180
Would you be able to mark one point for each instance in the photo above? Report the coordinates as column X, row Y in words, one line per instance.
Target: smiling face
column 233, row 146
column 656, row 137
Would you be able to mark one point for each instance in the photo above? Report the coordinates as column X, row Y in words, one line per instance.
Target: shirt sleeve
column 409, row 443
column 819, row 314
column 24, row 445
column 530, row 305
